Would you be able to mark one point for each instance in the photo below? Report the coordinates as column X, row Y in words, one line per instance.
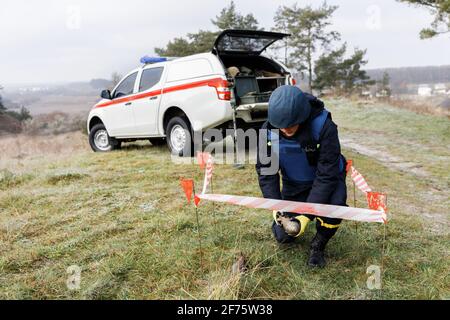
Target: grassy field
column 122, row 218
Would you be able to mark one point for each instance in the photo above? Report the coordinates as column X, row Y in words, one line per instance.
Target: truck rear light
column 222, row 89
column 293, row 81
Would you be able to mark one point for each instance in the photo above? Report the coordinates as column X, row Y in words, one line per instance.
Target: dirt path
column 386, row 158
column 437, row 222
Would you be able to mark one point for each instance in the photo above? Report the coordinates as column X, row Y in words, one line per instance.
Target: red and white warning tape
column 322, row 210
column 359, row 180
column 377, row 213
column 207, row 157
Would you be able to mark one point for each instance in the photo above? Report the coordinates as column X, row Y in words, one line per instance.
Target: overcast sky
column 49, row 41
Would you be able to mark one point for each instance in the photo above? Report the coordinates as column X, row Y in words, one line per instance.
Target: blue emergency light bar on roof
column 148, row 60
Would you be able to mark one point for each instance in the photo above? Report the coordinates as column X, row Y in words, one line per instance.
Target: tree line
column 311, row 50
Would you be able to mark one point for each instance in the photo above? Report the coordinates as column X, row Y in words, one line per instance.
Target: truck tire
column 179, row 137
column 100, row 141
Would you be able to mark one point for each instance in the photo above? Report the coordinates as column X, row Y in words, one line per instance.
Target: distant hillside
column 71, row 97
column 413, row 75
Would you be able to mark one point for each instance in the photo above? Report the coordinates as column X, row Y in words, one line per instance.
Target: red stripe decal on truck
column 159, row 92
column 129, row 98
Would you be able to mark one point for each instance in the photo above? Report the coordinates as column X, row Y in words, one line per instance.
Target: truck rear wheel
column 100, row 141
column 179, row 137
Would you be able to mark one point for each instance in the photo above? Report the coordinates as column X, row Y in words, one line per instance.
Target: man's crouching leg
column 326, row 228
column 288, row 226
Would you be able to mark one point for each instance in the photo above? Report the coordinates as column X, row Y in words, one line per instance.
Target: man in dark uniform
column 311, row 165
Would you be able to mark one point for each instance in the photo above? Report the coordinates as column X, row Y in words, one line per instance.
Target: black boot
column 317, row 254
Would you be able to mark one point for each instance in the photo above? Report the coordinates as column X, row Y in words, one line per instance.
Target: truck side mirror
column 106, row 94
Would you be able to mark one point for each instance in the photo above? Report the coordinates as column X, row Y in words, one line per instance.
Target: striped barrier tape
column 359, row 180
column 322, row 210
column 208, row 159
column 376, row 213
column 375, row 200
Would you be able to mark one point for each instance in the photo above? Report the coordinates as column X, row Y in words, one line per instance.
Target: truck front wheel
column 100, row 141
column 179, row 137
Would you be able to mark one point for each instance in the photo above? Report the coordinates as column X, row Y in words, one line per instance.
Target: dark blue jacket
column 329, row 172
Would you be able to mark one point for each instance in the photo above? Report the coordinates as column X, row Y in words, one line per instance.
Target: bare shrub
column 420, row 105
column 55, row 123
column 9, row 124
column 21, row 152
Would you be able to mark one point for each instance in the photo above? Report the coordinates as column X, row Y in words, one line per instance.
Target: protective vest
column 295, row 162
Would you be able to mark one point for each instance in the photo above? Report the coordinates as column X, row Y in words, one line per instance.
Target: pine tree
column 2, row 107
column 342, row 75
column 203, row 41
column 229, row 18
column 441, row 11
column 354, row 78
column 282, row 25
column 309, row 34
column 178, row 47
column 385, row 87
column 328, row 73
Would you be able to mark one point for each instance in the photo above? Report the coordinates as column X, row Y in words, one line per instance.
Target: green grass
column 122, row 218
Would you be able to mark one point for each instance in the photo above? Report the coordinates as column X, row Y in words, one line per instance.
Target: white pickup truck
column 166, row 100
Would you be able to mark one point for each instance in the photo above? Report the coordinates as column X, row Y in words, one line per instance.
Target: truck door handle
column 154, row 98
column 128, row 104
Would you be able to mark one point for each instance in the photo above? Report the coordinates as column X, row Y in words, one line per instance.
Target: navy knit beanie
column 288, row 106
